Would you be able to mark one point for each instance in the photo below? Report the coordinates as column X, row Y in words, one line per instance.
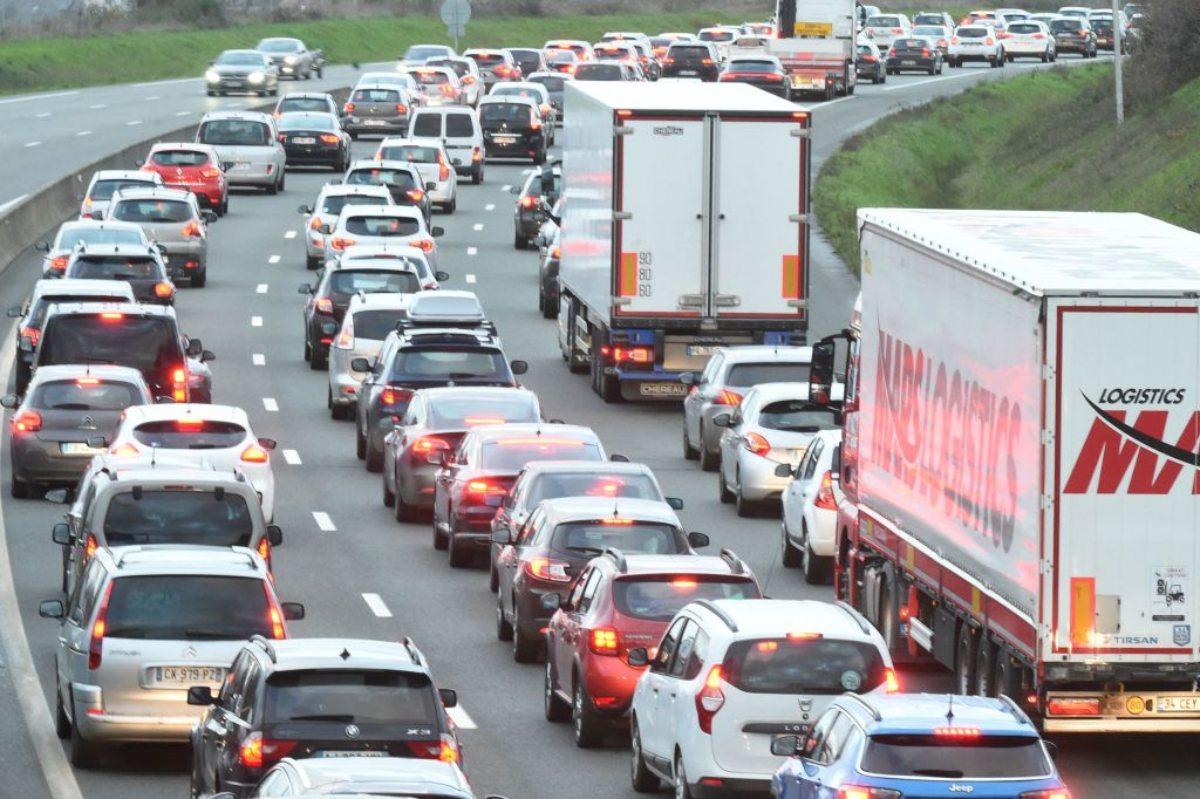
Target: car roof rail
column 857, row 617
column 1014, row 709
column 874, row 711
column 736, row 564
column 708, row 605
column 618, row 557
column 266, row 645
column 413, row 652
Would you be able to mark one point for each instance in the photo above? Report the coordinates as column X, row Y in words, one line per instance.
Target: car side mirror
column 274, row 535
column 15, row 312
column 449, row 697
column 519, row 367
column 10, row 401
column 437, row 231
column 551, row 601
column 162, row 248
column 688, row 378
column 502, row 535
column 783, row 470
column 293, row 611
column 675, row 503
column 209, row 216
column 325, row 229
column 195, row 347
column 226, row 166
column 441, row 276
column 305, row 288
column 59, row 496
column 305, row 209
column 786, row 745
column 200, row 695
column 431, row 186
column 698, row 540
column 61, row 534
column 268, row 444
column 723, row 420
column 456, row 161
column 52, row 609
column 360, row 365
column 207, row 355
column 638, row 656
column 42, row 246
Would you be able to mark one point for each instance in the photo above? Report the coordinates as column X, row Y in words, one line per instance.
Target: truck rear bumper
column 1122, row 725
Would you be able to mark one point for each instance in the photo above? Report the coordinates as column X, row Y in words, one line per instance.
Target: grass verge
column 30, row 65
column 1043, row 141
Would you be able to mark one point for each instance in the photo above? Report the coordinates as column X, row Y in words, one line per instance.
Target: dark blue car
column 918, row 745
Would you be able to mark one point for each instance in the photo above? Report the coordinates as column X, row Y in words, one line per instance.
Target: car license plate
column 697, row 350
column 183, row 676
column 662, row 389
column 350, row 753
column 79, row 448
column 304, row 140
column 687, row 72
column 1178, row 704
column 908, row 63
column 504, row 139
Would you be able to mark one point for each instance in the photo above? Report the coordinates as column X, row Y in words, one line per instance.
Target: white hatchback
column 975, row 43
column 432, row 162
column 382, row 225
column 1030, row 39
column 883, row 29
column 325, row 211
column 810, row 508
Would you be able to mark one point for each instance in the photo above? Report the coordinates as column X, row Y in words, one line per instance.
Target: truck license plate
column 1178, row 704
column 702, row 350
column 814, row 29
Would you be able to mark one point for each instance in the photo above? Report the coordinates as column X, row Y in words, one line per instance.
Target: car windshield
column 551, row 83
column 145, row 343
column 599, row 72
column 375, row 325
column 334, row 203
column 349, row 696
column 660, row 597
column 156, row 211
column 512, row 113
column 376, row 96
column 382, row 177
column 178, row 516
column 345, row 282
column 971, row 33
column 239, row 60
column 420, row 52
column 442, row 365
column 488, row 59
column 304, row 104
column 189, row 432
column 554, row 485
column 1065, row 25
column 69, row 237
column 307, row 122
column 795, row 416
column 412, row 153
column 752, row 66
column 384, row 225
column 512, row 454
column 279, row 46
column 716, row 36
column 801, row 663
column 117, row 267
column 85, row 394
column 179, row 158
column 103, row 189
column 1024, row 27
column 975, row 757
column 182, row 607
column 235, row 132
column 452, row 412
column 627, row 535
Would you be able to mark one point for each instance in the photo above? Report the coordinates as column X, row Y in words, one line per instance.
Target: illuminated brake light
column 330, row 138
column 604, row 641
column 684, row 583
column 416, row 195
column 348, row 108
column 859, row 792
column 757, row 444
column 275, row 618
column 424, row 245
column 255, row 454
column 31, row 335
column 528, row 201
column 112, row 316
column 443, row 167
column 727, row 397
column 99, row 627
column 957, row 732
column 444, row 749
column 477, row 420
column 27, row 422
column 890, row 682
column 616, row 521
column 1073, row 706
column 58, row 264
column 90, row 546
column 484, row 488
column 1053, row 793
column 324, row 305
column 164, row 290
column 316, row 224
column 345, row 339
column 258, row 752
column 710, row 699
column 394, row 396
column 87, row 381
column 264, row 549
column 548, row 569
column 192, row 230
column 340, row 243
column 427, row 445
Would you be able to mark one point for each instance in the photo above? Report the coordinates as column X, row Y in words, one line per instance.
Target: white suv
column 975, row 43
column 731, row 675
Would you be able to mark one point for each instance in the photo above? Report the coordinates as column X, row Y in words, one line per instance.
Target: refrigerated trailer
column 684, row 229
column 815, row 40
column 1020, row 457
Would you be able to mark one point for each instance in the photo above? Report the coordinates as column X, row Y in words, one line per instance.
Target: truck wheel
column 888, row 618
column 1008, row 675
column 985, row 667
column 964, row 660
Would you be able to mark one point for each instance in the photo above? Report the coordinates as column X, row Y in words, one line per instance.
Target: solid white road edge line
column 59, row 777
column 460, row 718
column 377, row 606
column 37, row 97
column 4, row 207
column 324, row 522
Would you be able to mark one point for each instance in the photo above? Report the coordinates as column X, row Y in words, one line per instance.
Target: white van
column 459, row 128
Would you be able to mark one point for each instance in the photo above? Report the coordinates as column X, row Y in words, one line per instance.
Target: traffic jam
column 984, row 476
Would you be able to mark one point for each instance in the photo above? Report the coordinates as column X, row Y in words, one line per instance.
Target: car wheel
column 549, row 307
column 1045, row 57
column 642, row 779
column 439, row 538
column 459, row 557
column 20, row 489
column 374, row 458
column 401, row 509
column 84, row 754
column 62, row 724
column 311, row 263
column 985, row 667
column 282, row 180
column 584, row 724
column 723, row 492
column 389, row 496
column 745, row 508
column 964, row 660
column 709, row 461
column 883, row 77
column 452, row 206
column 319, row 362
column 199, row 279
column 519, row 241
column 790, row 557
column 523, row 650
column 211, row 93
column 477, row 175
column 682, row 790
column 689, row 452
column 273, row 189
column 554, row 708
column 816, row 568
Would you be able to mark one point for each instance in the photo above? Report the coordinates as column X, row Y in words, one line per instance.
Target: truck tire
column 985, row 667
column 1008, row 675
column 964, row 660
column 607, row 386
column 889, row 620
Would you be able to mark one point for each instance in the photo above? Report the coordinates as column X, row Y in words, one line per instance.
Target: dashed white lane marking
column 84, row 133
column 324, row 522
column 506, row 188
column 255, row 321
column 261, row 288
column 152, row 98
column 292, row 457
column 97, row 106
column 270, row 404
column 477, row 226
column 460, row 718
column 375, row 603
column 258, row 359
column 472, row 251
column 33, row 144
column 470, row 278
column 490, row 207
column 133, row 122
column 42, row 115
column 36, row 97
column 291, row 234
column 274, row 259
column 910, row 84
column 183, row 113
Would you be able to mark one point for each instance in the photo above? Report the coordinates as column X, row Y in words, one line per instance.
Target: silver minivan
column 249, row 142
column 145, row 624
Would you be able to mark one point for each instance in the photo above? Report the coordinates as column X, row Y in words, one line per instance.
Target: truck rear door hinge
column 622, row 130
column 1047, row 501
column 800, row 133
column 691, row 300
column 798, row 218
column 1047, row 372
column 1047, row 438
column 727, row 300
column 797, row 303
column 622, row 216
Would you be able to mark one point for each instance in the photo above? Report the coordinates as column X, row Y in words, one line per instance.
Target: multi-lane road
column 359, row 572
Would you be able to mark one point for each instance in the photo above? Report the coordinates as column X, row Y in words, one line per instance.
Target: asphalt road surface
column 256, row 263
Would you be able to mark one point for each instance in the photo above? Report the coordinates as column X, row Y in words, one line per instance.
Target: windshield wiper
column 345, row 718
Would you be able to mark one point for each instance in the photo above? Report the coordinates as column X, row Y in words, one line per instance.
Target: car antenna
column 950, row 711
column 153, row 454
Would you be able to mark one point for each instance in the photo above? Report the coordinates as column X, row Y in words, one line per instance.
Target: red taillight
column 706, row 61
column 255, row 454
column 668, row 61
column 1073, row 706
column 710, row 699
column 274, row 616
column 859, row 792
column 925, row 52
column 954, row 40
column 316, row 224
column 757, row 444
column 27, row 422
column 99, row 627
column 401, row 108
column 727, row 397
column 90, row 546
column 444, row 749
column 989, row 40
column 535, row 125
column 897, row 30
column 641, row 355
column 427, row 445
column 324, row 305
column 58, row 264
column 264, row 549
column 416, row 195
column 443, row 167
column 210, row 173
column 484, row 488
column 348, row 108
column 476, row 154
column 825, row 499
column 528, row 201
column 1039, row 36
column 604, row 641
column 546, row 569
column 870, row 58
column 424, row 245
column 556, row 252
column 258, row 752
column 890, row 683
column 111, row 316
column 163, row 290
column 31, row 335
column 1053, row 793
column 330, row 138
column 340, row 243
column 394, row 396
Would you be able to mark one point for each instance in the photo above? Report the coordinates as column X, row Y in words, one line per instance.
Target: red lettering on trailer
column 1108, row 453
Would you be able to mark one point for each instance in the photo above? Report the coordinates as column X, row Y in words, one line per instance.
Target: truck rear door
column 1124, row 513
column 660, row 216
column 759, row 267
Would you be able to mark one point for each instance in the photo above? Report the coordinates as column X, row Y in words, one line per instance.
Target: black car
column 329, row 299
column 692, row 60
column 914, row 55
column 1102, row 27
column 315, row 139
column 529, row 59
column 765, row 73
column 1073, row 35
column 542, row 186
column 402, row 179
column 317, row 698
column 604, row 71
column 512, row 128
column 870, row 64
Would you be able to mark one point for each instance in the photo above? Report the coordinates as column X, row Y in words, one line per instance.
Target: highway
column 358, row 571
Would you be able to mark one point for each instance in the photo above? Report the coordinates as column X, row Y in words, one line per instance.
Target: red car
column 620, row 602
column 195, row 167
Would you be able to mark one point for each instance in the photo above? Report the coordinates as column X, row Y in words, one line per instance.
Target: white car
column 975, row 43
column 368, row 320
column 438, row 85
column 729, row 675
column 1074, row 11
column 106, row 182
column 883, row 29
column 431, row 160
column 773, row 425
column 721, row 36
column 420, row 53
column 1029, row 39
column 219, row 435
column 470, row 79
column 382, row 225
column 459, row 130
column 810, row 507
column 325, row 211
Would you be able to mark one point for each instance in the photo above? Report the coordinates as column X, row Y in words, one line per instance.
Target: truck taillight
column 825, row 499
column 604, row 641
column 629, row 355
column 710, row 699
column 99, row 627
column 757, row 444
column 1073, row 706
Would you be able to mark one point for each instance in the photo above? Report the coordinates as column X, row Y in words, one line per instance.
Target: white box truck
column 1020, row 460
column 684, row 228
column 815, row 40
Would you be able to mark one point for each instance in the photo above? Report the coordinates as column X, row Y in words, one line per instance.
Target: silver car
column 328, row 207
column 172, row 218
column 292, row 57
column 376, row 108
column 85, row 231
column 241, row 71
column 773, row 425
column 67, row 415
column 731, row 371
column 368, row 320
column 249, row 142
column 105, row 182
column 146, row 624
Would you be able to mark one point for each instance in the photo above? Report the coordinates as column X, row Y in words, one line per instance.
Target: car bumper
column 186, row 261
column 303, row 154
column 970, row 55
column 1073, row 46
column 344, row 383
column 34, row 460
column 737, row 786
column 521, row 147
column 416, row 482
column 916, row 63
column 381, row 126
column 1015, row 49
column 757, row 478
column 98, row 723
column 251, row 174
column 442, row 193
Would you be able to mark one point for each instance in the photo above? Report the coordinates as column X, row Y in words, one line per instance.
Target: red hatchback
column 195, row 167
column 621, row 602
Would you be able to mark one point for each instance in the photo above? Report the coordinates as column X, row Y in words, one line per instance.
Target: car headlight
column 257, row 77
column 290, row 59
column 212, row 76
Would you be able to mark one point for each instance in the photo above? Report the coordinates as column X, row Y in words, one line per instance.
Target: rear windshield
column 373, row 281
column 688, row 52
column 157, row 211
column 376, row 96
column 591, row 538
column 929, row 30
column 120, row 267
column 928, row 19
column 592, row 484
column 375, row 325
column 599, row 72
column 516, row 113
column 179, row 158
column 382, row 177
column 209, row 518
column 449, row 412
column 187, row 608
column 552, row 84
column 427, row 125
column 459, row 67
column 488, row 59
column 94, row 235
column 511, row 454
column 527, row 60
column 795, row 416
column 752, row 66
column 334, row 203
column 303, row 104
column 85, row 394
column 1059, row 25
column 801, row 665
column 189, row 433
column 430, row 77
column 422, row 52
column 307, row 122
column 382, row 226
column 279, row 46
column 517, row 91
column 985, row 757
column 1024, row 27
column 659, row 598
column 460, row 125
column 746, row 375
column 971, row 33
column 914, row 44
column 716, row 36
column 441, row 365
column 148, row 344
column 883, row 22
column 235, row 132
column 103, row 190
column 1101, row 24
column 350, row 697
column 410, row 152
